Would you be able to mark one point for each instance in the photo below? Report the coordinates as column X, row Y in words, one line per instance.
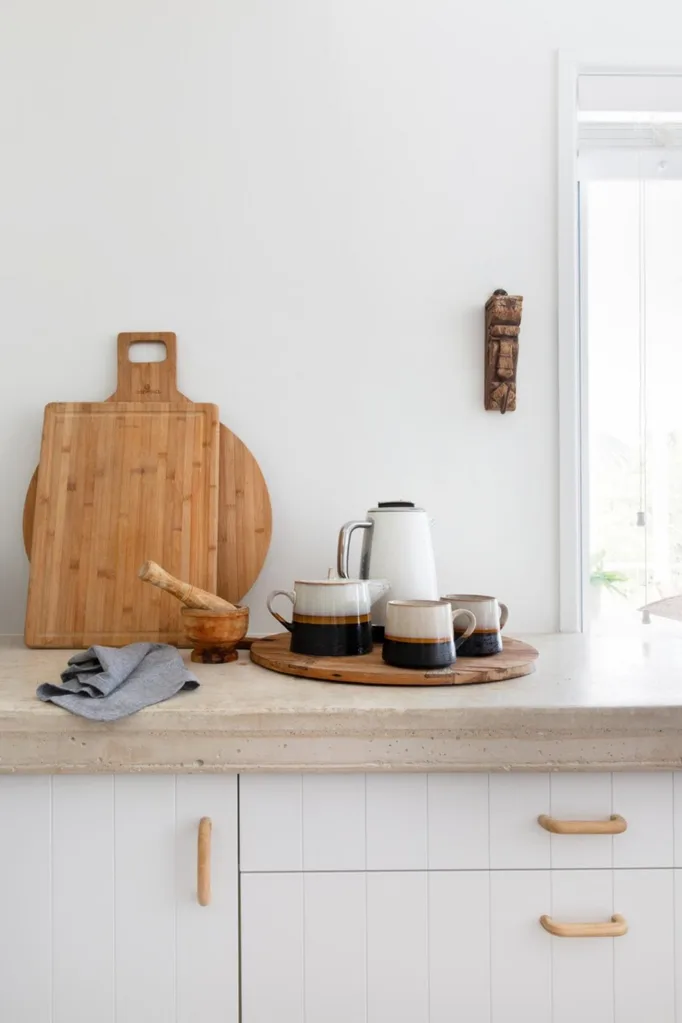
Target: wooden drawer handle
column 615, row 825
column 616, row 927
column 204, row 862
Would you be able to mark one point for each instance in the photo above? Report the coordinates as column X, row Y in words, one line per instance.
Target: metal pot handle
column 343, row 550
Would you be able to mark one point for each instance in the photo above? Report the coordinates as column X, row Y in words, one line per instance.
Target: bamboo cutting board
column 244, row 514
column 120, row 482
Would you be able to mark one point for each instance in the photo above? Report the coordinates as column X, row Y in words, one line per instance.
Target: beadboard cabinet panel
column 677, row 891
column 581, row 797
column 409, row 947
column 520, row 952
column 397, row 834
column 459, row 946
column 516, row 838
column 99, row 917
column 207, row 937
column 454, row 821
column 450, row 946
column 677, row 813
column 645, row 800
column 26, row 899
column 644, row 960
column 336, row 925
column 458, row 822
column 334, row 815
column 144, row 897
column 397, row 948
column 83, row 857
column 582, row 968
column 271, row 821
column 272, row 948
column 627, row 979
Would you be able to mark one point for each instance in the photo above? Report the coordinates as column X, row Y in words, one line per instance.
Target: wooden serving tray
column 273, row 652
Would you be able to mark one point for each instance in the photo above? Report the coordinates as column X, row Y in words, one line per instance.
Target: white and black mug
column 491, row 617
column 419, row 633
column 332, row 617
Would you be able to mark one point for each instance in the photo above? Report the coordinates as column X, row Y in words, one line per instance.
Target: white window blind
column 629, row 127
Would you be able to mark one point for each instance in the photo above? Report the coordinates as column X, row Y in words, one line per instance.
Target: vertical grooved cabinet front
column 417, row 898
column 99, row 919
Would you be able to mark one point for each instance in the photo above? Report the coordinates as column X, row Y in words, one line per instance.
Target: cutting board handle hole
column 147, row 351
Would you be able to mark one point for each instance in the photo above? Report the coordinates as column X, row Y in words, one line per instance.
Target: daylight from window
column 632, row 300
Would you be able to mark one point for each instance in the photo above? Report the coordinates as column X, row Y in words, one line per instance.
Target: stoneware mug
column 419, row 633
column 491, row 617
column 332, row 617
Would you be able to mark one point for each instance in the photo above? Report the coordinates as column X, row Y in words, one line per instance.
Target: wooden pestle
column 190, row 596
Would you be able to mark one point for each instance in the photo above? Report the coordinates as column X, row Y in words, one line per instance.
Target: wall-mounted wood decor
column 502, row 326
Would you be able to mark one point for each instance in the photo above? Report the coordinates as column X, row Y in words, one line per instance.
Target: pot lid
column 395, row 506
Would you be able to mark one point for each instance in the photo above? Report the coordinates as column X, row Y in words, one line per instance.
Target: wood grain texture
column 204, row 862
column 189, row 595
column 273, row 652
column 244, row 512
column 214, row 635
column 120, row 482
column 616, row 927
column 615, row 825
column 502, row 326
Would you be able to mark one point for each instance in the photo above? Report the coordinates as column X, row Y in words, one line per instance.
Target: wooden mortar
column 215, row 635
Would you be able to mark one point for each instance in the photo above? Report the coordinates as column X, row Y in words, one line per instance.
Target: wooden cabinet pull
column 616, row 927
column 204, row 862
column 615, row 825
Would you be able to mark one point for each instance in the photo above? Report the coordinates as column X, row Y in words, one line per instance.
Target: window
column 627, row 420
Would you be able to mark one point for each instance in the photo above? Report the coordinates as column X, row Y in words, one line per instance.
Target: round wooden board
column 273, row 652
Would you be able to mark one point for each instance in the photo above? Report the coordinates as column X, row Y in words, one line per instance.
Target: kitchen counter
column 592, row 704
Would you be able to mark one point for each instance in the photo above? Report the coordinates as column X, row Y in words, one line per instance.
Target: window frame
column 573, row 554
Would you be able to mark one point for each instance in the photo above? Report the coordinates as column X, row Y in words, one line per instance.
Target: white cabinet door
column 538, row 977
column 450, row 946
column 376, row 947
column 520, row 957
column 582, row 968
column 99, row 917
column 644, row 960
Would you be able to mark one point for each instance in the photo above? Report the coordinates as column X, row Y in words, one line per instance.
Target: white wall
column 318, row 196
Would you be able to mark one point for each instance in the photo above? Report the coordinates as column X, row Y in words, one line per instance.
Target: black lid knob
column 396, row 504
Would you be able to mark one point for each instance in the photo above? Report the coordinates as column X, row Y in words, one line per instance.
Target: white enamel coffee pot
column 396, row 546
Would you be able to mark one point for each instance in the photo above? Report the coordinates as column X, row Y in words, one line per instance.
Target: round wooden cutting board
column 244, row 514
column 273, row 652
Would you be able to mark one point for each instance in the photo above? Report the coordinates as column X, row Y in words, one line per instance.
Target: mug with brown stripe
column 332, row 617
column 419, row 633
column 491, row 618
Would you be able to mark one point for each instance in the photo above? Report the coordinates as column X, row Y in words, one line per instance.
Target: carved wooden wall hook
column 502, row 326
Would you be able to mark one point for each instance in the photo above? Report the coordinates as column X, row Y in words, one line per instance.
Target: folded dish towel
column 105, row 683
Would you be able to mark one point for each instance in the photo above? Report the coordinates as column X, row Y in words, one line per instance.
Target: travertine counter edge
column 591, row 706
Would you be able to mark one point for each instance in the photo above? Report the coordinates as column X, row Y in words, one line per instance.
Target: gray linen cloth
column 105, row 683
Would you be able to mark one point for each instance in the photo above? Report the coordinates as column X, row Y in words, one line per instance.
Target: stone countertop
column 592, row 704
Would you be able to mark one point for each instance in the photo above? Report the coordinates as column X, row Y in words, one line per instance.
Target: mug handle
column 281, row 593
column 469, row 629
column 504, row 614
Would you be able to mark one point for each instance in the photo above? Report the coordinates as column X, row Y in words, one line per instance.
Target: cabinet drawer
column 363, row 822
column 644, row 801
column 433, row 947
column 451, row 821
